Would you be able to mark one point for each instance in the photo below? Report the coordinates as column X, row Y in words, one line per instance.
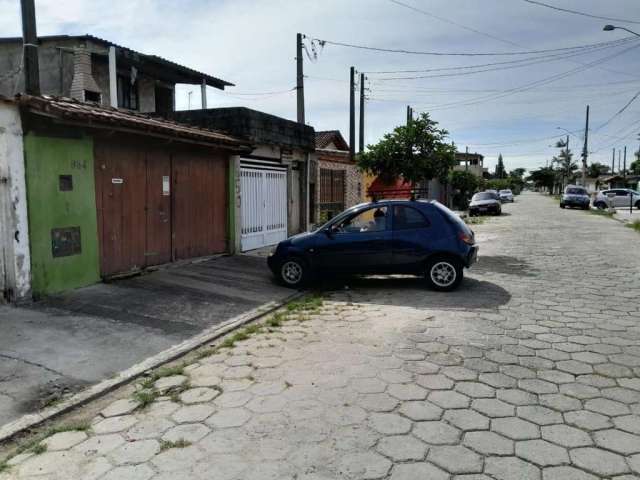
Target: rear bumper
column 472, row 256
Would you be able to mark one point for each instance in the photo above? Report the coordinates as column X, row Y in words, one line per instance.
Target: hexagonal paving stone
column 449, row 399
column 232, row 399
column 190, row 432
column 459, row 373
column 493, row 408
column 566, row 436
column 516, row 397
column 588, row 420
column 377, row 402
column 475, row 389
column 613, row 370
column 466, row 419
column 567, row 473
column 628, row 423
column 634, row 462
column 99, row 444
column 401, row 448
column 515, row 428
column 535, row 385
column 198, row 395
column 599, row 461
column 560, row 402
column 120, row 407
column 176, row 460
column 389, row 423
column 413, row 471
column 437, row 433
column 435, row 382
column 455, row 459
column 367, row 465
column 489, row 443
column 192, row 413
column 148, row 428
column 618, row 441
column 606, row 407
column 130, row 472
column 497, row 380
column 420, row 411
column 368, row 385
column 510, row 468
column 167, row 383
column 407, row 392
column 343, row 416
column 574, row 367
column 230, row 417
column 135, row 452
column 64, row 440
column 541, row 453
column 540, row 415
column 114, row 424
column 579, row 390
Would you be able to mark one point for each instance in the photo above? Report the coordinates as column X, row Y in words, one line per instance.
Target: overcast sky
column 251, row 43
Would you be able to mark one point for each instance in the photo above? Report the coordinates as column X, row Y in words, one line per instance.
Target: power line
column 618, row 112
column 278, row 92
column 451, row 22
column 460, row 54
column 575, row 12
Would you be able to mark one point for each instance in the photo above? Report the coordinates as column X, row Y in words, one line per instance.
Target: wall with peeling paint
column 15, row 262
column 53, row 206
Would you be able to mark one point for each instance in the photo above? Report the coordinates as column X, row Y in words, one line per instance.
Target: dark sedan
column 384, row 237
column 485, row 203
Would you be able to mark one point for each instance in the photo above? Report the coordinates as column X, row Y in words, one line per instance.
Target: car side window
column 370, row 220
column 621, row 193
column 406, row 218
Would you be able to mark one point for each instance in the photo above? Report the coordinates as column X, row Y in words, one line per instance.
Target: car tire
column 562, row 205
column 444, row 273
column 637, row 205
column 600, row 205
column 294, row 273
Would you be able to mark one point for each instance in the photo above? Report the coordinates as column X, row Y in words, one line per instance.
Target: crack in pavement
column 33, row 364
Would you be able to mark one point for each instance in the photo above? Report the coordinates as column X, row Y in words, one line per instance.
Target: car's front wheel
column 294, row 272
column 600, row 205
column 444, row 273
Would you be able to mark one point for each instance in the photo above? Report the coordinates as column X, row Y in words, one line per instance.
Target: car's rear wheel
column 562, row 205
column 638, row 205
column 444, row 273
column 600, row 205
column 294, row 272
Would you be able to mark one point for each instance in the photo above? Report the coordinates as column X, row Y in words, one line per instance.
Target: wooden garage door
column 199, row 204
column 155, row 206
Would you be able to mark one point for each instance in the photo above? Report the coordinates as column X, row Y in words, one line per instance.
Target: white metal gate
column 263, row 207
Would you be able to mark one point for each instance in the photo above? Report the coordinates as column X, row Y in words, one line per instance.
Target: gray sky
column 252, row 44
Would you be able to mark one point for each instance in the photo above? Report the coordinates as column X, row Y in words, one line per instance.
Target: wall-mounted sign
column 166, row 186
column 117, row 181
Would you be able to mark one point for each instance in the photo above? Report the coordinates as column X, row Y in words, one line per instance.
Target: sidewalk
column 56, row 347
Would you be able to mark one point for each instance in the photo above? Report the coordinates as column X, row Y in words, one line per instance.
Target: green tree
column 516, row 180
column 634, row 168
column 416, row 152
column 543, row 177
column 596, row 169
column 566, row 166
column 464, row 184
column 500, row 171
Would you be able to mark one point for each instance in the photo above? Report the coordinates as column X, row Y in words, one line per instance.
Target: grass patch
column 475, row 220
column 4, row 466
column 635, row 225
column 145, row 397
column 180, row 443
column 147, row 383
column 601, row 213
column 39, row 448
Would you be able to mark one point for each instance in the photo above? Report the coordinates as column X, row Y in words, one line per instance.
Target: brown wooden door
column 121, row 198
column 199, row 203
column 158, row 207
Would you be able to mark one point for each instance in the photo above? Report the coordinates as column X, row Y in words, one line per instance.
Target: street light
column 609, row 28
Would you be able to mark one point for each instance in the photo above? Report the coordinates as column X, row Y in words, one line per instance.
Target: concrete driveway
column 64, row 343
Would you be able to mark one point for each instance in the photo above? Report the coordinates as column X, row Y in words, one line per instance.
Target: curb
column 8, row 431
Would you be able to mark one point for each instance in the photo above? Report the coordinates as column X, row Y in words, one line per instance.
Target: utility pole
column 624, row 164
column 585, row 151
column 361, row 135
column 299, row 79
column 30, row 48
column 409, row 115
column 466, row 158
column 352, row 113
column 613, row 161
column 619, row 157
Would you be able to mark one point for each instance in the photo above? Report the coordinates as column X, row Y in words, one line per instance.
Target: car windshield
column 482, row 196
column 505, row 191
column 575, row 191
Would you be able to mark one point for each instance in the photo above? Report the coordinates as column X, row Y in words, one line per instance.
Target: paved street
column 531, row 370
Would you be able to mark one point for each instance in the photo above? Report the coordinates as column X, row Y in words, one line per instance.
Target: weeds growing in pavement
column 147, row 383
column 602, row 213
column 635, row 225
column 145, row 397
column 180, row 443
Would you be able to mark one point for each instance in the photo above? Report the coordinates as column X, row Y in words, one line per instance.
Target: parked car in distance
column 385, row 237
column 575, row 196
column 506, row 195
column 494, row 193
column 484, row 203
column 623, row 198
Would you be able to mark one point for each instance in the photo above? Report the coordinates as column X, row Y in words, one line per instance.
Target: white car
column 623, row 198
column 506, row 195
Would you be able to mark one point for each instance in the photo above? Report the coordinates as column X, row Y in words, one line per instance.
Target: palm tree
column 566, row 166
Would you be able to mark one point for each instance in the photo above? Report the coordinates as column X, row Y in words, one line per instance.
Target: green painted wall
column 46, row 159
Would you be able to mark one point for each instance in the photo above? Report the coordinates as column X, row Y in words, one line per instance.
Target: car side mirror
column 329, row 231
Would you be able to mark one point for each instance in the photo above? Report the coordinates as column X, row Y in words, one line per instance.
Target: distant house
column 91, row 69
column 471, row 162
column 335, row 183
column 619, row 181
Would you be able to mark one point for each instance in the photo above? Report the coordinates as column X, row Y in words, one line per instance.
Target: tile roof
column 97, row 116
column 324, row 138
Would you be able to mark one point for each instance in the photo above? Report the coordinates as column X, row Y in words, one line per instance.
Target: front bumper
column 272, row 263
column 575, row 203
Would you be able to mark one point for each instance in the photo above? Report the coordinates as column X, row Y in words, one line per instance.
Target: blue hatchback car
column 384, row 237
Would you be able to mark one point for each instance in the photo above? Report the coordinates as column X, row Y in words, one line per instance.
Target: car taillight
column 467, row 238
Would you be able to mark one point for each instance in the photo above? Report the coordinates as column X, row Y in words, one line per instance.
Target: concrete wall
column 15, row 263
column 50, row 208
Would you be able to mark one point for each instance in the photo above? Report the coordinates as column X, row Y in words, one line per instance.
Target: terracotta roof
column 96, row 116
column 327, row 137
